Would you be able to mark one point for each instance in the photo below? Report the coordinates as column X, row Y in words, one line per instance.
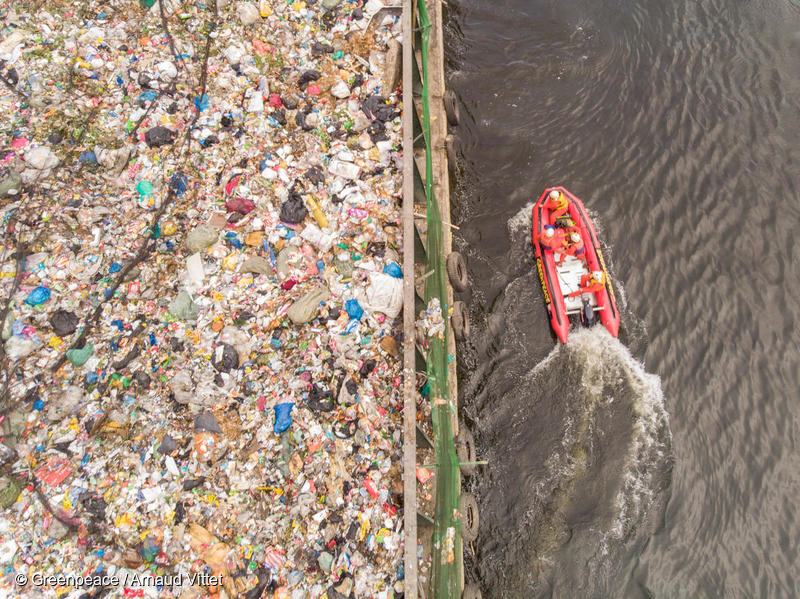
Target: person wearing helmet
column 591, row 283
column 557, row 203
column 550, row 239
column 574, row 247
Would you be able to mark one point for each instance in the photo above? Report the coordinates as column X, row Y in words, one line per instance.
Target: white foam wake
column 605, row 359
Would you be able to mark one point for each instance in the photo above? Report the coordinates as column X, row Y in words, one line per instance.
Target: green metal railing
column 446, row 550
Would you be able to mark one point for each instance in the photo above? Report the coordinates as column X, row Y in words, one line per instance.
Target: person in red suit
column 557, row 203
column 550, row 239
column 575, row 248
column 591, row 283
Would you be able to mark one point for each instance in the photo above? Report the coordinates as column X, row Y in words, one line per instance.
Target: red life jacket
column 575, row 248
column 551, row 243
column 558, row 205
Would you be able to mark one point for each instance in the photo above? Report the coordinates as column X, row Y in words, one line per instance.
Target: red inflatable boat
column 574, row 279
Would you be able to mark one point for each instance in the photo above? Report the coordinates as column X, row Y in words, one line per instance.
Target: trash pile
column 200, row 295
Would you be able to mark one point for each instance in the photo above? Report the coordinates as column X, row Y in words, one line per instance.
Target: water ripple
column 678, row 123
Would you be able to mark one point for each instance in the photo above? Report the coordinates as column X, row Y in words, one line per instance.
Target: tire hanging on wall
column 451, row 108
column 450, row 148
column 465, row 450
column 459, row 320
column 457, row 271
column 469, row 517
column 471, row 591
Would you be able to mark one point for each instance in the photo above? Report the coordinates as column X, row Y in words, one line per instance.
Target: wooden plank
column 409, row 316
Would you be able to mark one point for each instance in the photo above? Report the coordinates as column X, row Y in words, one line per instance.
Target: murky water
column 665, row 464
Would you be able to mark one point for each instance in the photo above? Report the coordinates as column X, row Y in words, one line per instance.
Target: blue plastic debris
column 178, row 183
column 354, row 310
column 16, row 328
column 272, row 259
column 201, row 103
column 38, row 296
column 116, row 267
column 148, row 96
column 88, row 157
column 393, row 269
column 119, row 324
column 153, row 340
column 351, row 326
column 38, row 405
column 232, row 239
column 283, row 417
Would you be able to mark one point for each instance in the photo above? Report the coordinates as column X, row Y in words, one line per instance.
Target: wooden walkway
column 417, row 574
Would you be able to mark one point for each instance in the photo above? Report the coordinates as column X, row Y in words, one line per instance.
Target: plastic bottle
column 319, row 215
column 348, row 170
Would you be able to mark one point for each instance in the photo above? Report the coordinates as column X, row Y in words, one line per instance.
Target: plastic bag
column 38, row 296
column 63, row 322
column 293, row 210
column 283, row 417
column 385, row 294
column 354, row 309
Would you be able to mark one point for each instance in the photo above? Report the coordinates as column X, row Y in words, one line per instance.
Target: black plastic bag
column 314, row 176
column 158, row 136
column 293, row 210
column 229, row 360
column 307, row 77
column 375, row 107
column 63, row 322
column 377, row 131
column 167, row 445
column 366, row 368
column 320, row 399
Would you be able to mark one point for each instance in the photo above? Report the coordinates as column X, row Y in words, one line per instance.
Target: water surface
column 665, row 464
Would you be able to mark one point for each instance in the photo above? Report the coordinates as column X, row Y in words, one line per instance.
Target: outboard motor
column 587, row 312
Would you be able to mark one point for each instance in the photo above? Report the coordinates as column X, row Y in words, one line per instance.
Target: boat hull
column 552, row 280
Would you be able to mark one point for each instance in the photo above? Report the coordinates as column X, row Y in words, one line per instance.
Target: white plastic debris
column 385, row 294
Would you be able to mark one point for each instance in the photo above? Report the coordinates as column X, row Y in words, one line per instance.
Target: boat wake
column 591, row 446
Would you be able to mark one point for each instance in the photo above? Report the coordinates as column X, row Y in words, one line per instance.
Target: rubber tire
column 469, row 517
column 460, row 321
column 457, row 271
column 451, row 108
column 471, row 591
column 450, row 148
column 465, row 450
